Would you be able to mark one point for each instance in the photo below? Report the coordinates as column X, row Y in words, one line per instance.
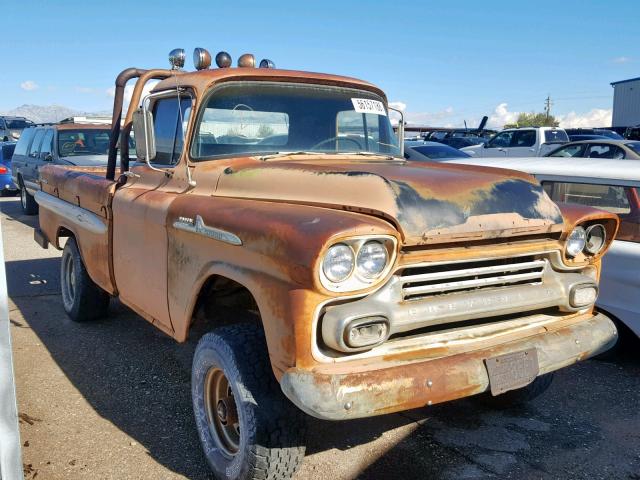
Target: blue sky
column 446, row 61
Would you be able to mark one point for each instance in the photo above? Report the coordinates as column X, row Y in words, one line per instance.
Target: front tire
column 83, row 300
column 29, row 204
column 247, row 427
column 520, row 396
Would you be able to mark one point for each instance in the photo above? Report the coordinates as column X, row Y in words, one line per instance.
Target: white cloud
column 598, row 117
column 501, row 116
column 621, row 60
column 434, row 119
column 29, row 85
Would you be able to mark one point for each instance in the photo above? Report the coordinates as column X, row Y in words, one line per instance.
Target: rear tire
column 520, row 396
column 83, row 300
column 247, row 427
column 29, row 204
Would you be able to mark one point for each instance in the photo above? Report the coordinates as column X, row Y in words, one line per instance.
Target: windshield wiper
column 286, row 154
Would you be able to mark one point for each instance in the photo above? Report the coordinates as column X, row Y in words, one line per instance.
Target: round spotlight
column 223, row 60
column 247, row 61
column 176, row 58
column 201, row 58
column 576, row 242
column 266, row 63
column 596, row 238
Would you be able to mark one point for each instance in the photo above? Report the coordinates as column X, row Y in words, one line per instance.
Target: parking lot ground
column 111, row 399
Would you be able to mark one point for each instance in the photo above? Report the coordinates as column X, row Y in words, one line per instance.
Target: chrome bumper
column 387, row 386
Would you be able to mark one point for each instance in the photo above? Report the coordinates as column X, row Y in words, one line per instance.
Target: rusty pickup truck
column 271, row 214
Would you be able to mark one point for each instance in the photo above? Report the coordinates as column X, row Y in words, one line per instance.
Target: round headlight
column 338, row 262
column 596, row 236
column 372, row 259
column 576, row 241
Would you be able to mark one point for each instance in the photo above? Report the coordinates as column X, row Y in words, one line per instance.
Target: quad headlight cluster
column 590, row 241
column 356, row 263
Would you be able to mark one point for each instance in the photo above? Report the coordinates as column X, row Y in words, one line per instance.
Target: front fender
column 275, row 259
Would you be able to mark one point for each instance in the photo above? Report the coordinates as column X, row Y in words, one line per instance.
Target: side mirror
column 48, row 157
column 143, row 132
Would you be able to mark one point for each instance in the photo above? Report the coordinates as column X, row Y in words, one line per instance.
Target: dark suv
column 63, row 144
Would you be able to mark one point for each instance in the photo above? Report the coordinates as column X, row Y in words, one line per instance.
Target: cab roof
column 202, row 80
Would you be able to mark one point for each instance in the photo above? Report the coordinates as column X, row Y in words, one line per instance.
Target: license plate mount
column 512, row 370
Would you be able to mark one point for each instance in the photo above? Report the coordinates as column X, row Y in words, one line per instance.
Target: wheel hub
column 222, row 412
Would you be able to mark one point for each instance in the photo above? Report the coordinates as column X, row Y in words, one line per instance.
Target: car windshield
column 18, row 124
column 555, row 136
column 635, row 146
column 262, row 118
column 437, row 152
column 73, row 143
column 609, row 134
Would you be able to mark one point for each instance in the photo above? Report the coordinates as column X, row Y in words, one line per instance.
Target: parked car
column 579, row 138
column 66, row 144
column 601, row 132
column 599, row 148
column 333, row 277
column 520, row 142
column 421, row 151
column 12, row 127
column 608, row 185
column 461, row 142
column 7, row 186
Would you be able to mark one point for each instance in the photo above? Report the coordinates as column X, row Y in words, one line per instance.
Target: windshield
column 18, row 124
column 555, row 136
column 73, row 143
column 437, row 152
column 635, row 146
column 262, row 118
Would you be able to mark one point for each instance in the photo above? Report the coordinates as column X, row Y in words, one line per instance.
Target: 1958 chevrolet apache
column 333, row 277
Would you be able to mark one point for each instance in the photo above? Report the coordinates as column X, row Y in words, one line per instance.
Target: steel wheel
column 68, row 281
column 222, row 412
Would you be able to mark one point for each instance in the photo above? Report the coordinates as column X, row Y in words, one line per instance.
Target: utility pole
column 547, row 106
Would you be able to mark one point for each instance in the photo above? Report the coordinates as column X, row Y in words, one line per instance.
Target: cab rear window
column 555, row 136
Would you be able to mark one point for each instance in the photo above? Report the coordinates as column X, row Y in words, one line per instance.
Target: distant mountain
column 48, row 113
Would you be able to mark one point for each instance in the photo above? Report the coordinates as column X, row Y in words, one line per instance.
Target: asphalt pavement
column 111, row 400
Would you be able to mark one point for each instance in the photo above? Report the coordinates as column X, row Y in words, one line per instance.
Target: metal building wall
column 626, row 103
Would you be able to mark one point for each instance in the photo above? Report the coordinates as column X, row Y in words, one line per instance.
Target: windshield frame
column 273, row 149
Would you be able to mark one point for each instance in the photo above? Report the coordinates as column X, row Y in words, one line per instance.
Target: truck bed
column 76, row 202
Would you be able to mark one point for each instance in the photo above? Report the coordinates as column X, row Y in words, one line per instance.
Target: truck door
column 497, row 146
column 523, row 144
column 139, row 217
column 32, row 164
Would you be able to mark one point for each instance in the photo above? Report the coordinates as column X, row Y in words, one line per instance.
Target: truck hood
column 427, row 202
column 86, row 160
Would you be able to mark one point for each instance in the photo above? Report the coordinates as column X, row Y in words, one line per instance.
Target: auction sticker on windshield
column 364, row 105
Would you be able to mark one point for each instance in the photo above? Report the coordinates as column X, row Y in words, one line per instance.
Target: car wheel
column 522, row 395
column 83, row 300
column 29, row 204
column 247, row 427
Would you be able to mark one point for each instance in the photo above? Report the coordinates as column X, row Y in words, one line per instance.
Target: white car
column 612, row 185
column 520, row 142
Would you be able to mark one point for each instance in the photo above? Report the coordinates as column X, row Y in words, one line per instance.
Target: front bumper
column 390, row 387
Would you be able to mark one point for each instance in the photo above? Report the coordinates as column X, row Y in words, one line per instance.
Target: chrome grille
column 437, row 279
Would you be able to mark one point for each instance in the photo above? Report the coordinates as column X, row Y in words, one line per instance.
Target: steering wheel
column 332, row 139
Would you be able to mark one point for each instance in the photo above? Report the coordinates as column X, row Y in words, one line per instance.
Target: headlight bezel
column 356, row 281
column 589, row 232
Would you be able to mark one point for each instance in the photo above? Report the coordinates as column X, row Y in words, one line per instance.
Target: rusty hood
column 428, row 203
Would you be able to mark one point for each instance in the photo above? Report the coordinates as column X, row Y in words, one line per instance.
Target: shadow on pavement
column 10, row 206
column 139, row 379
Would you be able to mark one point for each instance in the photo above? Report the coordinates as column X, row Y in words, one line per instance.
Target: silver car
column 12, row 127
